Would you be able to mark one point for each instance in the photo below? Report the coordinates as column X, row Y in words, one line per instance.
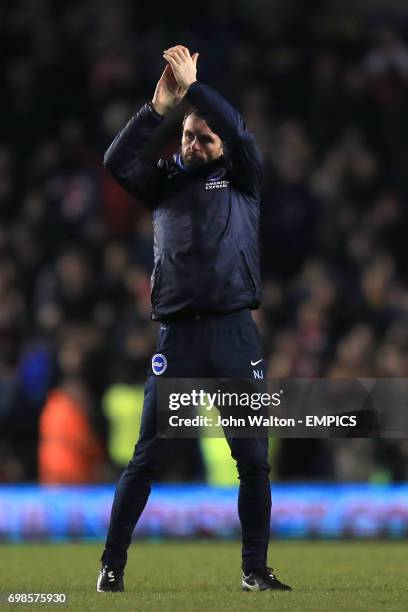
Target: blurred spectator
column 69, row 450
column 122, row 405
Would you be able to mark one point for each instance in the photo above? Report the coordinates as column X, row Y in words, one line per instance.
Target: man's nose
column 195, row 144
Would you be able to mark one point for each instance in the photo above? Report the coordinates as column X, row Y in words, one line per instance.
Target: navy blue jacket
column 205, row 220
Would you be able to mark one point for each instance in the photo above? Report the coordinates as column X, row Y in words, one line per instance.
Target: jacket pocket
column 155, row 280
column 246, row 272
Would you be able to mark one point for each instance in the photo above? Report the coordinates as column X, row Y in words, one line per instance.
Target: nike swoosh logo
column 250, row 587
column 254, row 363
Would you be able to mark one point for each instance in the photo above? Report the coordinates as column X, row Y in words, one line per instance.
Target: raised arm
column 239, row 144
column 241, row 149
column 126, row 158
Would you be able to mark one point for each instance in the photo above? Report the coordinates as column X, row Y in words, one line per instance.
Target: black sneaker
column 263, row 581
column 110, row 580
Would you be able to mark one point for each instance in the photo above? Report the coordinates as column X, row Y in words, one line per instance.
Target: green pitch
column 206, row 576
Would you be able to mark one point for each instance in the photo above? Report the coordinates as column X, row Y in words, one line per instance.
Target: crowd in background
column 326, row 94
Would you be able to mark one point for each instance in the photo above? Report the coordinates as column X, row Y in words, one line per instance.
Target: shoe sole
column 249, row 588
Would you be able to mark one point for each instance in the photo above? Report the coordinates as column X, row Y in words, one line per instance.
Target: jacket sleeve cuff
column 154, row 112
column 192, row 92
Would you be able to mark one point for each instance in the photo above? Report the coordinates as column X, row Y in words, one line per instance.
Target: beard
column 192, row 160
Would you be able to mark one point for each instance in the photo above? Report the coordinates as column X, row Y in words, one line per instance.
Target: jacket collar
column 204, row 170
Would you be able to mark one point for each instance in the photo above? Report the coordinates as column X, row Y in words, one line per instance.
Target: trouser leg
column 181, row 346
column 254, row 499
column 235, row 347
column 134, row 486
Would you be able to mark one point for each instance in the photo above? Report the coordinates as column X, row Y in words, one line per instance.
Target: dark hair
column 195, row 112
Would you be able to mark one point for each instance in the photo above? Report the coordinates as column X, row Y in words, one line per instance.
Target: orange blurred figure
column 69, row 450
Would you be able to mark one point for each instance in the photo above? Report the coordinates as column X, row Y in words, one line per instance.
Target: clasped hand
column 178, row 75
